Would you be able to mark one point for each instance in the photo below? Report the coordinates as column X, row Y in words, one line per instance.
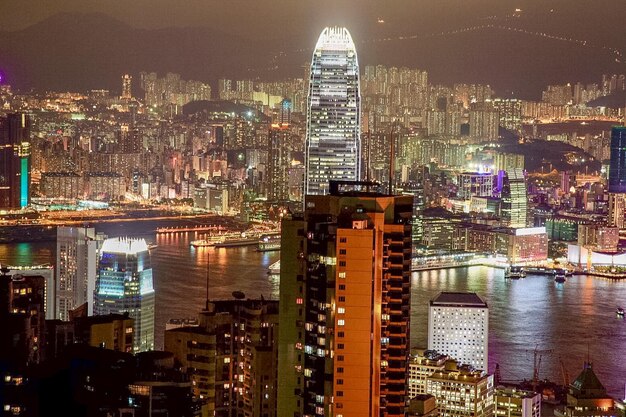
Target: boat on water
column 620, row 311
column 559, row 277
column 269, row 242
column 514, row 272
column 274, row 269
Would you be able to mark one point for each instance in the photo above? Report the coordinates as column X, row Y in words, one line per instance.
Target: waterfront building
column 105, row 186
column 617, row 167
column 61, row 185
column 333, row 131
column 422, row 364
column 598, row 237
column 76, row 267
column 512, row 185
column 15, row 160
column 231, row 357
column 461, row 391
column 344, row 304
column 458, row 326
column 124, row 285
column 588, row 397
column 519, row 245
column 512, row 402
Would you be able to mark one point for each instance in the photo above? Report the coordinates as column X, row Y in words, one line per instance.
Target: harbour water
column 574, row 321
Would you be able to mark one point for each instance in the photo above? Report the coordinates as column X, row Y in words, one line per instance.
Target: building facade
column 617, row 167
column 124, row 285
column 514, row 197
column 231, row 357
column 333, row 143
column 344, row 306
column 458, row 326
column 76, row 266
column 14, row 161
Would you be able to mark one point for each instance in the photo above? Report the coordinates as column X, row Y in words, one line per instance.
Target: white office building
column 458, row 326
column 76, row 266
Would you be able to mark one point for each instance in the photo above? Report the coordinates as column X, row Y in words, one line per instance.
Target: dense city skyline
column 207, row 213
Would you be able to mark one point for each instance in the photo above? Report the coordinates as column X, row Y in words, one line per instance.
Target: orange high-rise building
column 344, row 305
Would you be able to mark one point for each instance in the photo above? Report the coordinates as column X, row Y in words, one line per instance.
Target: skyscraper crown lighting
column 124, row 245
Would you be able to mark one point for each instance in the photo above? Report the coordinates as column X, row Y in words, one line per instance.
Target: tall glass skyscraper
column 333, row 144
column 617, row 167
column 514, row 197
column 124, row 285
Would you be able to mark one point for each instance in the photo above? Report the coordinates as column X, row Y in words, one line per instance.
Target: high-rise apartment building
column 344, row 305
column 512, row 184
column 458, row 326
column 510, row 113
column 14, row 161
column 333, row 143
column 124, row 285
column 617, row 167
column 279, row 161
column 231, row 357
column 127, row 93
column 76, row 267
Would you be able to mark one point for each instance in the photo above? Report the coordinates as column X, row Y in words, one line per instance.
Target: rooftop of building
column 587, row 384
column 459, row 299
column 124, row 245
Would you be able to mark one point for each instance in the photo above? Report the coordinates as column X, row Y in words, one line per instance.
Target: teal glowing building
column 14, row 161
column 124, row 285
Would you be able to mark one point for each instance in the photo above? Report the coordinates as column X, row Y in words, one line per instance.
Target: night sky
column 451, row 41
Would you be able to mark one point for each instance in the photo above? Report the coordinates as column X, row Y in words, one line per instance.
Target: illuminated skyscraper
column 14, row 161
column 617, row 167
column 344, row 306
column 76, row 266
column 514, row 196
column 279, row 161
column 124, row 285
column 333, row 113
column 127, row 87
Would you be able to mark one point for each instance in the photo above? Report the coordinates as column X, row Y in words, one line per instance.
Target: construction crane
column 537, row 355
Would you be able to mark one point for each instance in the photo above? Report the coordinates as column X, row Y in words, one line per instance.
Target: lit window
column 341, row 322
column 341, row 310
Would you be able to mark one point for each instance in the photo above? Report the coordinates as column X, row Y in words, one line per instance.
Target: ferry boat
column 269, row 243
column 559, row 277
column 208, row 241
column 620, row 311
column 274, row 269
column 514, row 272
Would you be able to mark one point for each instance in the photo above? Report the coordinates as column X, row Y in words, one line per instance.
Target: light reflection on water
column 570, row 319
